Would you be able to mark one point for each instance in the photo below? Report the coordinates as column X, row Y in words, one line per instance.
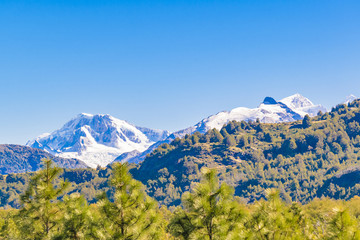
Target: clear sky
column 168, row 64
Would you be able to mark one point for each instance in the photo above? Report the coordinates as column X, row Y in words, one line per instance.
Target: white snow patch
column 97, row 139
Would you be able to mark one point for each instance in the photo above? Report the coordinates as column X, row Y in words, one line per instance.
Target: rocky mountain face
column 19, row 159
column 97, row 139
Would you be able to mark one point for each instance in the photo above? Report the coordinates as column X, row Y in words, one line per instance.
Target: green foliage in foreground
column 87, row 182
column 209, row 211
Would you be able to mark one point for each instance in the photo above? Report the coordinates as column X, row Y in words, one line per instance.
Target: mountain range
column 101, row 139
column 289, row 109
column 303, row 161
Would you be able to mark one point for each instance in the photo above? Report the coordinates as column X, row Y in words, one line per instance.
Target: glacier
column 97, row 139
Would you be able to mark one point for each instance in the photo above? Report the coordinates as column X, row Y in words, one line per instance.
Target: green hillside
column 20, row 159
column 306, row 159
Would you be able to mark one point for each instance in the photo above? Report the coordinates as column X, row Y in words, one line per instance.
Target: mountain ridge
column 18, row 159
column 269, row 111
column 97, row 139
column 319, row 159
column 86, row 146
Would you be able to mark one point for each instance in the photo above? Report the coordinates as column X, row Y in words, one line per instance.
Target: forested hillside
column 19, row 159
column 88, row 182
column 304, row 160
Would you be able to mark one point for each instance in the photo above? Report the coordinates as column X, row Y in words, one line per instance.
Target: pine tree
column 40, row 213
column 306, row 122
column 76, row 218
column 214, row 136
column 10, row 225
column 132, row 214
column 180, row 225
column 343, row 225
column 242, row 141
column 272, row 219
column 268, row 137
column 210, row 211
column 229, row 141
column 288, row 147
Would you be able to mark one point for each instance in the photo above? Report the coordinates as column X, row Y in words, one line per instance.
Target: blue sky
column 168, row 64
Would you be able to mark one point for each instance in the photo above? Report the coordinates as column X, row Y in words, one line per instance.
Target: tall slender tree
column 210, row 211
column 39, row 213
column 132, row 214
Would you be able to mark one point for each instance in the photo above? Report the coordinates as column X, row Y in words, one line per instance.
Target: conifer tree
column 242, row 141
column 306, row 122
column 229, row 141
column 76, row 218
column 132, row 214
column 272, row 219
column 214, row 136
column 10, row 228
column 268, row 137
column 181, row 225
column 343, row 225
column 40, row 213
column 210, row 211
column 224, row 132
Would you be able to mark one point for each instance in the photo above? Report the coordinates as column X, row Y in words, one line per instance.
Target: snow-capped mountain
column 349, row 99
column 97, row 139
column 302, row 105
column 100, row 139
column 289, row 109
column 296, row 101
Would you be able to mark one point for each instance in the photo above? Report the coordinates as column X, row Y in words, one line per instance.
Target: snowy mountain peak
column 350, row 98
column 302, row 105
column 291, row 108
column 97, row 139
column 86, row 115
column 297, row 101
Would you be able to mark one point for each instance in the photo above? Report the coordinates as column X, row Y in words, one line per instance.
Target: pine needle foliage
column 343, row 225
column 76, row 218
column 40, row 213
column 132, row 214
column 210, row 211
column 273, row 219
